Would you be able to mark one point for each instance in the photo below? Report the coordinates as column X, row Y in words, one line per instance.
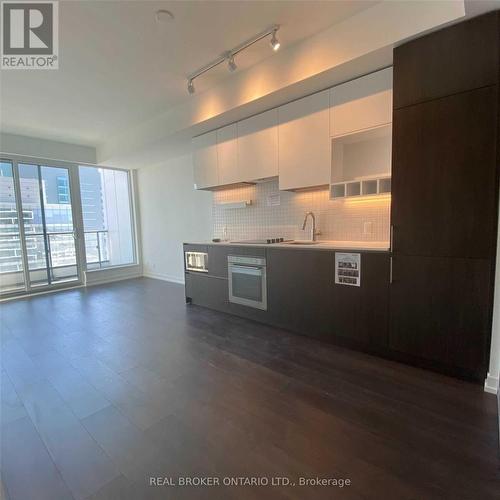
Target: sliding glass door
column 12, row 264
column 39, row 250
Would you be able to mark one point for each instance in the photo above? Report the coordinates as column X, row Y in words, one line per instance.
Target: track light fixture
column 275, row 44
column 229, row 55
column 231, row 65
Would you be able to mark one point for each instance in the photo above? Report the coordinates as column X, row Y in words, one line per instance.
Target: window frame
column 75, row 189
column 133, row 219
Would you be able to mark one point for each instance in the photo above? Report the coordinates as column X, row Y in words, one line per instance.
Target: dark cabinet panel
column 456, row 59
column 303, row 297
column 444, row 176
column 207, row 291
column 360, row 313
column 374, row 313
column 217, row 261
column 299, row 285
column 440, row 310
column 345, row 314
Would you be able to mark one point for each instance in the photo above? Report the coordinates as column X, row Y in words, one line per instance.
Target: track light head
column 275, row 44
column 228, row 56
column 230, row 63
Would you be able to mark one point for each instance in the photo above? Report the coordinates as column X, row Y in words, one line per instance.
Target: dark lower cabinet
column 299, row 288
column 208, row 291
column 217, row 261
column 360, row 314
column 439, row 312
column 304, row 298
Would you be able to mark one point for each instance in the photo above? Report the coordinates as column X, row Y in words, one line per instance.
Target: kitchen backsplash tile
column 275, row 213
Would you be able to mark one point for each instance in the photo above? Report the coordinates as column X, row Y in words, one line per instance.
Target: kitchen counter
column 379, row 246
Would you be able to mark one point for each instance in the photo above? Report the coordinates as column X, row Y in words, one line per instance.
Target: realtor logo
column 30, row 35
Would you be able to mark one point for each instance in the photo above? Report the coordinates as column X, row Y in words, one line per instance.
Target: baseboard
column 35, row 293
column 112, row 279
column 165, row 277
column 491, row 384
column 102, row 281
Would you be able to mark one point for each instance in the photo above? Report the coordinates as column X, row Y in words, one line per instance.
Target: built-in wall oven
column 196, row 261
column 247, row 281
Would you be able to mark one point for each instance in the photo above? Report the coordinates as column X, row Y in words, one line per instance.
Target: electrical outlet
column 367, row 228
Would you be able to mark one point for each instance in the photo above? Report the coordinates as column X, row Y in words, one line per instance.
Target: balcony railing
column 96, row 248
column 61, row 250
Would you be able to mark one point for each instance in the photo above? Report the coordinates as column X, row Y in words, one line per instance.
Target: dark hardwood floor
column 104, row 387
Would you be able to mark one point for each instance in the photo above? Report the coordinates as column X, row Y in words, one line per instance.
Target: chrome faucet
column 313, row 225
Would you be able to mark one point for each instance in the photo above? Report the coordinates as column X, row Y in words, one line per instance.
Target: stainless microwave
column 196, row 261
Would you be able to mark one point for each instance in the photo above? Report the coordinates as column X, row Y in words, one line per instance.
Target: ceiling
column 118, row 66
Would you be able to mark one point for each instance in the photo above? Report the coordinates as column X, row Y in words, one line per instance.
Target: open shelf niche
column 361, row 163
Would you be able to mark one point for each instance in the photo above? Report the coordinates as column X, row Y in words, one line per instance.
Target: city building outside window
column 107, row 217
column 63, row 190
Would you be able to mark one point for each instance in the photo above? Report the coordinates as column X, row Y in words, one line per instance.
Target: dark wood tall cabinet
column 445, row 196
column 444, row 173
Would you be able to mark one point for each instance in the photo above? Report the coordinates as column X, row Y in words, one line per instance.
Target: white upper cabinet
column 296, row 141
column 227, row 155
column 258, row 146
column 362, row 103
column 304, row 142
column 205, row 161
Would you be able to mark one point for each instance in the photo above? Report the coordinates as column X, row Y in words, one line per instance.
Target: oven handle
column 254, row 270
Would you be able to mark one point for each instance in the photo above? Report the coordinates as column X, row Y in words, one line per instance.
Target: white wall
column 171, row 212
column 41, row 148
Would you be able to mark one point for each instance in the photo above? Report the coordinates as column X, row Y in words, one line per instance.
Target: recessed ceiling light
column 164, row 16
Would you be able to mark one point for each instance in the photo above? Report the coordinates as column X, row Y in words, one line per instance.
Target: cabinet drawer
column 207, row 291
